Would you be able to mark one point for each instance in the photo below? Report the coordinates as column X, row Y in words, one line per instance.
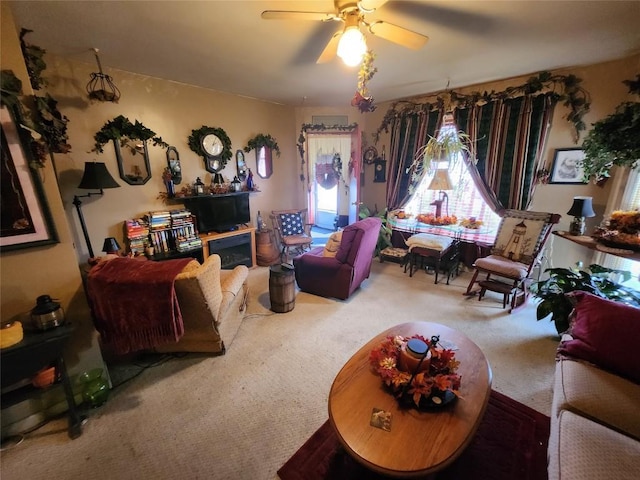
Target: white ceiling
column 226, row 46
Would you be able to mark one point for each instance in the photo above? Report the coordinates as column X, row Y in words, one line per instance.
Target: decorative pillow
column 333, row 244
column 428, row 240
column 291, row 224
column 605, row 333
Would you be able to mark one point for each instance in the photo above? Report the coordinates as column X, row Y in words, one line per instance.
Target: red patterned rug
column 511, row 443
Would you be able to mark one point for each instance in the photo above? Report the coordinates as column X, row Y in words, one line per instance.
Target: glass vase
column 95, row 388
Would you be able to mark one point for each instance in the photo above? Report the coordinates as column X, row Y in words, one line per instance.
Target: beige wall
column 26, row 274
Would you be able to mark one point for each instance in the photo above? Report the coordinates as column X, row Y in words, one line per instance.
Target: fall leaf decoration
column 361, row 99
column 440, row 377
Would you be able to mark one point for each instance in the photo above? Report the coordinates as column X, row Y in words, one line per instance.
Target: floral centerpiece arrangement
column 472, row 223
column 622, row 228
column 423, row 388
column 431, row 219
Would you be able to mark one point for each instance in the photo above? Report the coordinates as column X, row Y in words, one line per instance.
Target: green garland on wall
column 565, row 88
column 122, row 130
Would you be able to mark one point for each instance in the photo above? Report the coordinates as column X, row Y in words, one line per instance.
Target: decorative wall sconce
column 101, row 86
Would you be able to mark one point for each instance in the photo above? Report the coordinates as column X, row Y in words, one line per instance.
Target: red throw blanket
column 134, row 303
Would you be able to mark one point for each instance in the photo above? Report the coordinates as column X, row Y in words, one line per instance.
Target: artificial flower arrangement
column 622, row 228
column 431, row 219
column 471, row 222
column 425, row 388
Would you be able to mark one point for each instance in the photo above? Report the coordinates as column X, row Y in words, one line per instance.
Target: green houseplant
column 384, row 238
column 614, row 140
column 262, row 140
column 553, row 301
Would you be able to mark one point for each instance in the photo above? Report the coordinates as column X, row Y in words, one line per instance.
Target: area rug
column 511, row 443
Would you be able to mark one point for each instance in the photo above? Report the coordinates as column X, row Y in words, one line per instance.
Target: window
column 630, row 201
column 464, row 201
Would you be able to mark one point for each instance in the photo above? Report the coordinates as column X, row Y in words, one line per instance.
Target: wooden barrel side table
column 266, row 252
column 282, row 289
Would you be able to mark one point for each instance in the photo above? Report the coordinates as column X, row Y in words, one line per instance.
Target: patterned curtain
column 509, row 136
column 408, row 134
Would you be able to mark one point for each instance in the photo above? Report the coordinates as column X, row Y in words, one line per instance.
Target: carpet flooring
column 511, row 442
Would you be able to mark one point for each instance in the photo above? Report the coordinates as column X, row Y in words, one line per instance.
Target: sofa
column 172, row 306
column 595, row 417
column 339, row 273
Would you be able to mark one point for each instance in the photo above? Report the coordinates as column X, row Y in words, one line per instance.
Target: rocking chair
column 292, row 231
column 516, row 253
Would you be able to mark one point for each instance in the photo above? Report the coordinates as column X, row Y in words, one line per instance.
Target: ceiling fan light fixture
column 352, row 46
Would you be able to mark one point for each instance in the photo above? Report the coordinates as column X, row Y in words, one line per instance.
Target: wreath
column 195, row 142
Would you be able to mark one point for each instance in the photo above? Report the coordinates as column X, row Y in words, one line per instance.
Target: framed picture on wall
column 567, row 166
column 26, row 220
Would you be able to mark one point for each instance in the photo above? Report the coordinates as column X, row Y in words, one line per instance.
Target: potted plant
column 614, row 140
column 262, row 140
column 384, row 238
column 553, row 301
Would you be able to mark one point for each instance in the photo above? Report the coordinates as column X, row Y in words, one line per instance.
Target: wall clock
column 380, row 168
column 213, row 145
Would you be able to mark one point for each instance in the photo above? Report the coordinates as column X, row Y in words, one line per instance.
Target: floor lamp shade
column 95, row 177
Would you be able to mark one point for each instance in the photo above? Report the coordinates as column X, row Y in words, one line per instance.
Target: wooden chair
column 292, row 231
column 515, row 254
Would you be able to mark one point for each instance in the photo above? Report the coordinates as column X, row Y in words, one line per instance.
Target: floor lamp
column 95, row 177
column 441, row 181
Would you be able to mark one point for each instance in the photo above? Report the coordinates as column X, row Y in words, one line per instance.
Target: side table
column 36, row 351
column 282, row 289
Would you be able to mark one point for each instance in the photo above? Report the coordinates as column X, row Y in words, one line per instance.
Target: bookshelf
column 171, row 234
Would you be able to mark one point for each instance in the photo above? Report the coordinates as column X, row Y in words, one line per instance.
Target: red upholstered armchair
column 340, row 275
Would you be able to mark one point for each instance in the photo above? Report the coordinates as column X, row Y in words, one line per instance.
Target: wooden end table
column 420, row 442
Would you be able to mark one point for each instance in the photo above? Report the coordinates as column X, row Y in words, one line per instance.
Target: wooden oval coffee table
column 420, row 442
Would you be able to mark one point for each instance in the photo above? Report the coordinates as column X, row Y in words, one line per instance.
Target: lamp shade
column 441, row 181
column 96, row 177
column 110, row 245
column 582, row 207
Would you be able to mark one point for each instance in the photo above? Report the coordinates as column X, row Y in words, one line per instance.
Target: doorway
column 332, row 169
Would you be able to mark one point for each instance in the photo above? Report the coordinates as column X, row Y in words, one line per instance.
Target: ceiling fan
column 352, row 14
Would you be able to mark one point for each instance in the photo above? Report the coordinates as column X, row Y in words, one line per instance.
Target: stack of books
column 137, row 232
column 159, row 225
column 184, row 231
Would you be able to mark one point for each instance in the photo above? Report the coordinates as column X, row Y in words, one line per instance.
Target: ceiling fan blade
column 293, row 15
column 331, row 50
column 398, row 35
column 368, row 6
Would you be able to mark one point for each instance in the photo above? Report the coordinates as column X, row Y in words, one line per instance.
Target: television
column 220, row 213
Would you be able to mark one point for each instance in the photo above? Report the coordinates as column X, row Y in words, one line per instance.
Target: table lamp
column 441, row 181
column 581, row 208
column 95, row 177
column 110, row 246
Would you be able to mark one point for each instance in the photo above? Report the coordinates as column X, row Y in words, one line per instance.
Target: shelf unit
column 171, row 233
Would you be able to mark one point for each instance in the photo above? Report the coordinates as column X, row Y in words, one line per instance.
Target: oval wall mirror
column 241, row 166
column 173, row 163
column 264, row 162
column 133, row 162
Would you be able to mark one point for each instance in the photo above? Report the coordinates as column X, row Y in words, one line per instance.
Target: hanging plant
column 122, row 130
column 362, row 99
column 46, row 126
column 614, row 140
column 34, row 60
column 260, row 141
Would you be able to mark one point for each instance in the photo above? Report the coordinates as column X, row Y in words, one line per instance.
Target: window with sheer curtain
column 630, row 201
column 464, row 201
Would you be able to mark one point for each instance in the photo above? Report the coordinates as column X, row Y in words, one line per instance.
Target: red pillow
column 605, row 333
